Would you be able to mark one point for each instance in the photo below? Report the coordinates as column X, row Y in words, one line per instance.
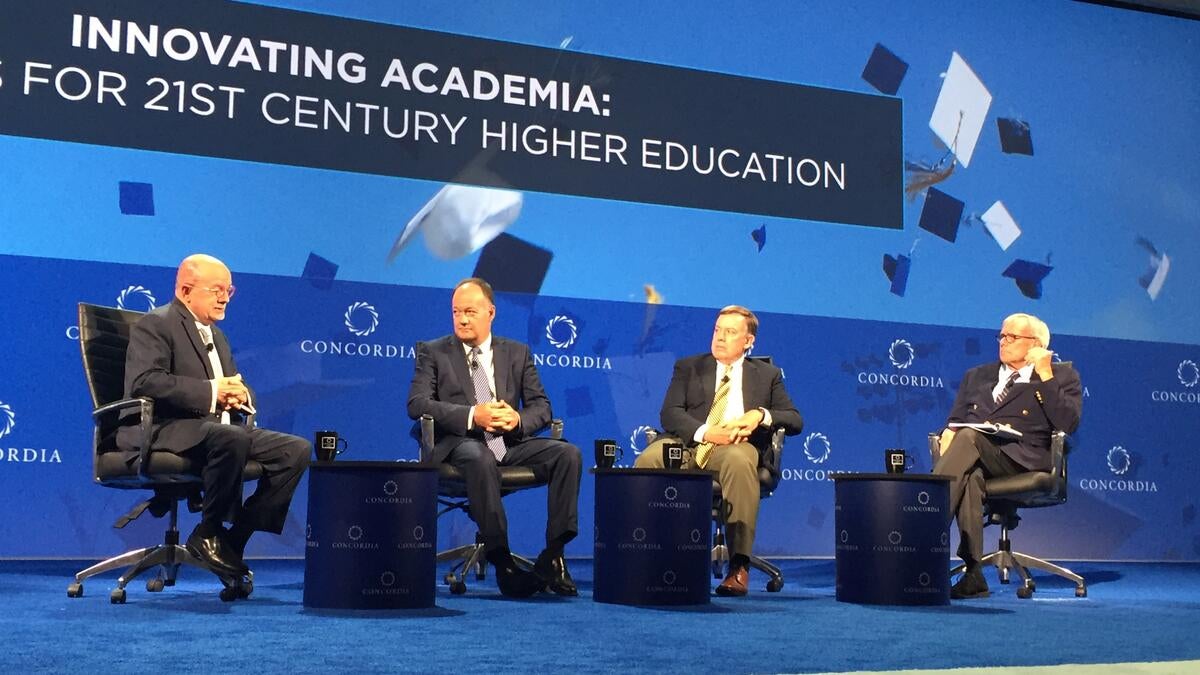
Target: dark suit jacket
column 442, row 387
column 167, row 362
column 694, row 383
column 1036, row 409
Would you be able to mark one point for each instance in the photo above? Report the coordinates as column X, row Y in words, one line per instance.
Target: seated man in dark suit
column 724, row 407
column 178, row 357
column 1025, row 391
column 487, row 403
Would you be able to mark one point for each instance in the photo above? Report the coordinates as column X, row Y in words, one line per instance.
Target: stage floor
column 1134, row 613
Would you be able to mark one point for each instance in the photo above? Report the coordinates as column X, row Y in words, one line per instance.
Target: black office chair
column 1029, row 490
column 103, row 341
column 769, row 473
column 452, row 495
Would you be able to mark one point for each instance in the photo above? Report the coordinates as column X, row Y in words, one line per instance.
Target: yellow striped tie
column 715, row 414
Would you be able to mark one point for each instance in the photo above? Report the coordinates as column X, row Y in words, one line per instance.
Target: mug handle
column 909, row 461
column 344, row 445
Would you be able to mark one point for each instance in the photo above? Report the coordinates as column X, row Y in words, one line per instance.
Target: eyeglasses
column 1013, row 337
column 219, row 291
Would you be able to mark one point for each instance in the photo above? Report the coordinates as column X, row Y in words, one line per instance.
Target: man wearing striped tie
column 723, row 407
column 487, row 403
column 1024, row 390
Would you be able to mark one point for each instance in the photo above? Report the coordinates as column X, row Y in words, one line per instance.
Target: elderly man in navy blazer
column 487, row 402
column 1023, row 390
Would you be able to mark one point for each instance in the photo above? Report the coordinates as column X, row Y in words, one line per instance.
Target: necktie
column 1012, row 379
column 483, row 394
column 715, row 415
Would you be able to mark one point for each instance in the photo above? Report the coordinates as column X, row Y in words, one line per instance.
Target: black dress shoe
column 553, row 572
column 513, row 581
column 216, row 553
column 971, row 585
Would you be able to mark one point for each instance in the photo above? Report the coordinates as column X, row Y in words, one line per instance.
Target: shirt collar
column 734, row 368
column 485, row 347
column 1026, row 372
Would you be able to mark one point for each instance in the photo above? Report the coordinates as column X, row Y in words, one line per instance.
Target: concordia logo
column 817, row 450
column 8, row 422
column 902, row 356
column 561, row 333
column 136, row 298
column 1120, row 464
column 1189, row 375
column 638, row 435
column 361, row 319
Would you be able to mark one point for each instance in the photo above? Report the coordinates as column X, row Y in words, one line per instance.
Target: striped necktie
column 715, row 414
column 1012, row 379
column 483, row 394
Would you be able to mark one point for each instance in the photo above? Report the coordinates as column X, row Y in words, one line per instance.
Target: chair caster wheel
column 1032, row 585
column 117, row 597
column 75, row 590
column 245, row 589
column 448, row 579
column 229, row 594
column 155, row 585
column 774, row 585
column 457, row 588
column 1081, row 591
column 1025, row 592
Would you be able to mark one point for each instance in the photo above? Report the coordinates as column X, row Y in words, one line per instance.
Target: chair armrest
column 935, row 446
column 426, row 441
column 1058, row 454
column 772, row 457
column 145, row 408
column 556, row 429
column 651, row 436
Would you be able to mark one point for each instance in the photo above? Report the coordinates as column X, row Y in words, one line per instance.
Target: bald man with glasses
column 1024, row 390
column 179, row 358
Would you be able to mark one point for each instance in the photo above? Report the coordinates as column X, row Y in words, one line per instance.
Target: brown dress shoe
column 736, row 584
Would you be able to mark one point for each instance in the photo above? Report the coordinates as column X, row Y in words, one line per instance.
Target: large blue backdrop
column 872, row 180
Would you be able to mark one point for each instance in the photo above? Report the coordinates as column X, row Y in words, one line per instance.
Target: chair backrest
column 103, row 341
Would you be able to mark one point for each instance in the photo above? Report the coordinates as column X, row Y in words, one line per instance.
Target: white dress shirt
column 735, row 407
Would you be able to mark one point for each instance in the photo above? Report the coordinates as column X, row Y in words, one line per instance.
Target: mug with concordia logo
column 607, row 453
column 672, row 455
column 328, row 445
column 896, row 460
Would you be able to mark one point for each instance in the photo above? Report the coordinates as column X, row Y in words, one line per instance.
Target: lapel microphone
column 209, row 347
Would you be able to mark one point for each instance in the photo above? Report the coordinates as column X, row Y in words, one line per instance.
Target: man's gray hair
column 1040, row 330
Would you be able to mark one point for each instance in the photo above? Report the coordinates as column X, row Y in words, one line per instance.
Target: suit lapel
column 458, row 362
column 708, row 380
column 1018, row 388
column 188, row 326
column 500, row 361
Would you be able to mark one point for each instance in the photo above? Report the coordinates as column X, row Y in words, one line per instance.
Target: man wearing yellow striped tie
column 723, row 407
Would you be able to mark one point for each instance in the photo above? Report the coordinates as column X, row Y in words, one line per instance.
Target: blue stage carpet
column 1134, row 612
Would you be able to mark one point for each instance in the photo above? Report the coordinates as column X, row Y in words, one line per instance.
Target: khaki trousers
column 736, row 467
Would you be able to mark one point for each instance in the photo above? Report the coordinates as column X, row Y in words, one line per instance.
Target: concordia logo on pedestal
column 1120, row 463
column 361, row 319
column 1189, row 375
column 136, row 298
column 8, row 422
column 561, row 333
column 902, row 355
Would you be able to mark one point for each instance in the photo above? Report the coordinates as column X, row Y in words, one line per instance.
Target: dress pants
column 972, row 458
column 223, row 455
column 558, row 462
column 736, row 466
